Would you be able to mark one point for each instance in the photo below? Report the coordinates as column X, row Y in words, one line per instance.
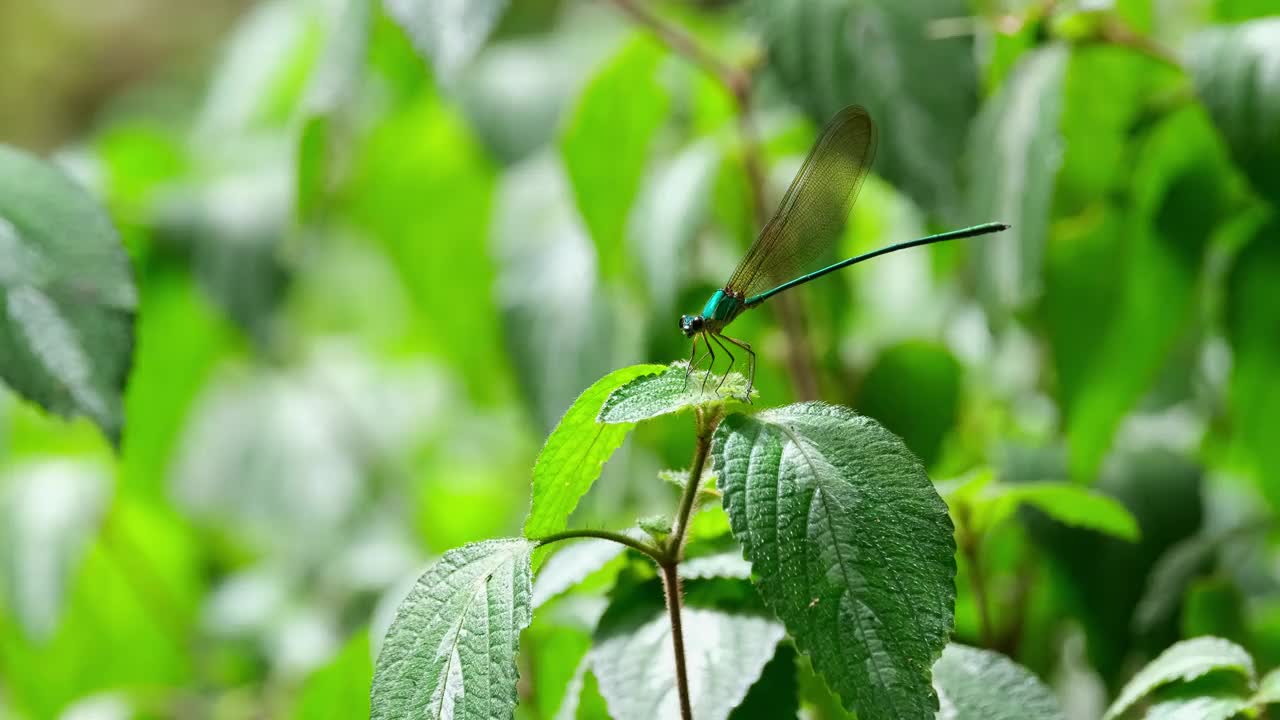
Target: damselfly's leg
column 710, row 366
column 751, row 364
column 692, row 354
column 732, row 360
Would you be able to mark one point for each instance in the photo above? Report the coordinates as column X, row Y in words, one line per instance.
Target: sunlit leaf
column 1234, row 73
column 1072, row 505
column 851, row 546
column 915, row 74
column 1185, row 661
column 571, row 565
column 451, row 651
column 448, row 33
column 1108, row 365
column 1268, row 689
column 1014, row 155
column 67, row 299
column 975, row 684
column 669, row 390
column 606, row 142
column 632, row 654
column 571, row 459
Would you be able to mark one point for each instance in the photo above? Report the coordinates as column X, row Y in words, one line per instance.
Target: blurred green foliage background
column 381, row 249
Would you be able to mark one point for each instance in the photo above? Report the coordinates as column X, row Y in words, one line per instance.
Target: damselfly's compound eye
column 690, row 324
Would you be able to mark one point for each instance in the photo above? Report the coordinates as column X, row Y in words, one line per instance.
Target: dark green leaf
column 974, row 684
column 606, row 142
column 851, row 545
column 1014, row 156
column 633, row 659
column 447, row 34
column 1185, row 661
column 920, row 87
column 1233, row 68
column 914, row 389
column 668, row 391
column 574, row 453
column 67, row 298
column 451, row 651
column 775, row 696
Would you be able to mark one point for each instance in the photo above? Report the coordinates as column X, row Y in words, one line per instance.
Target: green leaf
column 851, row 546
column 1253, row 324
column 1149, row 303
column 921, row 89
column 447, row 34
column 1203, row 700
column 1069, row 504
column 633, row 660
column 451, row 651
column 1014, row 156
column 67, row 298
column 49, row 512
column 330, row 97
column 574, row 453
column 606, row 142
column 1184, row 661
column 974, row 684
column 340, row 688
column 668, row 391
column 726, row 564
column 1233, row 69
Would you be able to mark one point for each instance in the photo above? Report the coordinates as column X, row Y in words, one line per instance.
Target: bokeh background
column 376, row 265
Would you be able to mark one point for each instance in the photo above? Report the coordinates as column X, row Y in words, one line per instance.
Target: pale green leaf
column 1072, row 505
column 725, row 564
column 574, row 453
column 451, row 650
column 606, row 142
column 974, row 684
column 447, row 33
column 633, row 659
column 668, row 391
column 1234, row 69
column 571, row 565
column 920, row 87
column 851, row 546
column 1014, row 155
column 1184, row 661
column 49, row 512
column 1197, row 701
column 67, row 299
column 776, row 695
column 1268, row 689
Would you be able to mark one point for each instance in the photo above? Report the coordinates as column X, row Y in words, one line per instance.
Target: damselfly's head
column 691, row 325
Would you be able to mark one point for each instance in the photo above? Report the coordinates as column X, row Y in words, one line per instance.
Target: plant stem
column 801, row 365
column 620, row 538
column 671, row 586
column 670, row 564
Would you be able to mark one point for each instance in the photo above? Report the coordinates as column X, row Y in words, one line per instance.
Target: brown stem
column 671, row 586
